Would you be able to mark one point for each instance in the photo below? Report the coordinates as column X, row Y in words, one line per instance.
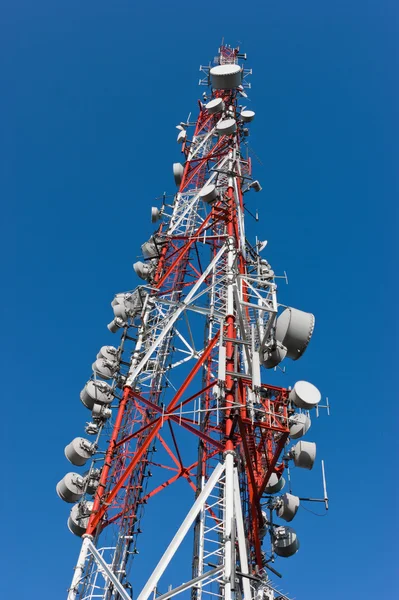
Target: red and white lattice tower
column 188, row 381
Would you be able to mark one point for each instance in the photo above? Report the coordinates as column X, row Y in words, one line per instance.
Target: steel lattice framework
column 194, row 336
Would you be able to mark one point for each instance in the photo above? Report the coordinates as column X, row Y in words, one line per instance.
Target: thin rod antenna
column 325, row 495
column 324, row 484
column 254, row 216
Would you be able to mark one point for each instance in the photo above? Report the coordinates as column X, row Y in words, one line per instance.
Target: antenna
column 324, row 485
column 325, row 497
column 326, row 406
column 254, row 216
column 261, row 245
column 165, row 392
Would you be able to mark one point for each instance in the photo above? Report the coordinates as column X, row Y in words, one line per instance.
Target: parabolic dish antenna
column 305, row 395
column 247, row 115
column 226, row 77
column 208, row 193
column 304, row 454
column 274, row 484
column 299, row 424
column 285, row 541
column 294, row 328
column 79, row 518
column 215, row 106
column 226, row 127
column 178, row 171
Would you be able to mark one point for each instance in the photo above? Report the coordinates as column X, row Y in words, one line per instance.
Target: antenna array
column 197, row 337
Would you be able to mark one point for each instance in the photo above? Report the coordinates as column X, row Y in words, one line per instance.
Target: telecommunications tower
column 185, row 399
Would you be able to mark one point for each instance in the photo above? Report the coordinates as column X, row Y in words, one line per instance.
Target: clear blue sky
column 91, row 94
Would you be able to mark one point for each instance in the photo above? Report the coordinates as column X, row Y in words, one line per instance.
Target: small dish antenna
column 304, row 454
column 287, row 507
column 261, row 245
column 156, row 214
column 285, row 541
column 274, row 484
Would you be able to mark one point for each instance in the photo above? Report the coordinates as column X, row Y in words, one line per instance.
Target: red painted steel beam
column 277, row 452
column 96, row 517
column 181, row 421
column 197, row 432
column 108, row 460
column 162, row 486
column 133, row 435
column 100, row 510
column 183, row 251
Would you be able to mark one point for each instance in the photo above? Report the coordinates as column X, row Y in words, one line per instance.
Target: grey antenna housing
column 181, row 136
column 208, row 193
column 299, row 424
column 226, row 77
column 255, row 185
column 287, row 507
column 151, row 249
column 261, row 245
column 93, row 479
column 247, row 116
column 101, row 412
column 215, row 106
column 127, row 305
column 285, row 541
column 96, row 392
column 274, row 356
column 294, row 329
column 275, row 484
column 266, row 273
column 79, row 518
column 130, row 304
column 109, row 353
column 116, row 324
column 71, row 487
column 156, row 214
column 226, row 127
column 305, row 395
column 304, row 454
column 105, row 368
column 265, row 525
column 92, row 428
column 121, row 306
column 178, row 171
column 79, row 451
column 143, row 270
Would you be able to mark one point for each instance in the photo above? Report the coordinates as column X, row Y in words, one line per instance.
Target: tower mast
column 187, row 381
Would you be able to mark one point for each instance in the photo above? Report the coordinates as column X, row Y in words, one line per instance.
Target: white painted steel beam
column 107, row 572
column 189, row 584
column 169, row 324
column 181, row 533
column 79, row 569
column 242, row 546
column 229, row 544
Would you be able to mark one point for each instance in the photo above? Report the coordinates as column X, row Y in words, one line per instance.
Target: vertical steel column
column 229, row 542
column 181, row 533
column 242, row 543
column 230, row 319
column 79, row 569
column 107, row 462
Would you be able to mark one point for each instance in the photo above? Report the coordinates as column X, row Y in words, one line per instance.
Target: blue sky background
column 91, row 94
